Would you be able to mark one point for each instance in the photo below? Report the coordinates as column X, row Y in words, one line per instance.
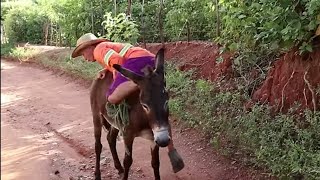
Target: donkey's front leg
column 128, row 141
column 155, row 162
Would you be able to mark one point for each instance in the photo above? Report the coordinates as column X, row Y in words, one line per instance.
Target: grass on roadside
column 20, row 53
column 6, row 49
column 77, row 67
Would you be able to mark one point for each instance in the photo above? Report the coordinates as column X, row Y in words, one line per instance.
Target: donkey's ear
column 160, row 61
column 128, row 74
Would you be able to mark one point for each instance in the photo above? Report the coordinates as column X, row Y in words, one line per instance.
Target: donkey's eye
column 145, row 107
column 165, row 106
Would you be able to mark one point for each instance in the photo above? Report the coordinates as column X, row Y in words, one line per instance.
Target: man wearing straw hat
column 107, row 54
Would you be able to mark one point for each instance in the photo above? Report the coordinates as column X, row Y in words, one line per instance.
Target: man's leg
column 122, row 91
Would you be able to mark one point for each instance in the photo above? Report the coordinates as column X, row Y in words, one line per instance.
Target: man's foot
column 176, row 161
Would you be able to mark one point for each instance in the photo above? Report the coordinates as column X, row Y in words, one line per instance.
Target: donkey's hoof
column 121, row 176
column 120, row 171
column 98, row 177
column 176, row 161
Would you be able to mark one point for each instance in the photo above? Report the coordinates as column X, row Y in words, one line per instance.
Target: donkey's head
column 153, row 97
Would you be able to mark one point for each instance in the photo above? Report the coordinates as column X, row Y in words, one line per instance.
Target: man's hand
column 101, row 74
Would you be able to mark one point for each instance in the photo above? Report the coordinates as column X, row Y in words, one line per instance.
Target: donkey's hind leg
column 128, row 141
column 155, row 162
column 112, row 141
column 98, row 146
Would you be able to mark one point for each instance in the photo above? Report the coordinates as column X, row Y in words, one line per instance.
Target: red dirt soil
column 279, row 88
column 293, row 79
column 198, row 55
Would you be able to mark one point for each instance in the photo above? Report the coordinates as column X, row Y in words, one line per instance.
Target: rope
column 120, row 114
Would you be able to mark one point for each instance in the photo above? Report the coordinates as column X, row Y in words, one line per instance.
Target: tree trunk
column 70, row 40
column 161, row 23
column 92, row 23
column 102, row 14
column 115, row 7
column 143, row 26
column 60, row 37
column 57, row 35
column 188, row 31
column 129, row 8
column 46, row 33
column 218, row 17
column 3, row 35
column 51, row 34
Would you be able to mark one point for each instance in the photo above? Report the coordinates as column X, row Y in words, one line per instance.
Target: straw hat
column 85, row 41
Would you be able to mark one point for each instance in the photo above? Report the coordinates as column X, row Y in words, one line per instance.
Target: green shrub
column 197, row 16
column 280, row 144
column 6, row 49
column 271, row 25
column 22, row 53
column 259, row 31
column 120, row 28
column 77, row 67
column 25, row 24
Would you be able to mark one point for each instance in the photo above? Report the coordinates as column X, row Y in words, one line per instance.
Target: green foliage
column 25, row 24
column 254, row 26
column 76, row 67
column 271, row 25
column 147, row 21
column 75, row 18
column 120, row 28
column 192, row 100
column 198, row 16
column 5, row 7
column 258, row 31
column 6, row 49
column 280, row 144
column 22, row 54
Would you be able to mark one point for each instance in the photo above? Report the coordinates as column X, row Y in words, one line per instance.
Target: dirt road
column 47, row 133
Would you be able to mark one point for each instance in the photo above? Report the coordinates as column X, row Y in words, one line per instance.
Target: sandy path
column 22, row 155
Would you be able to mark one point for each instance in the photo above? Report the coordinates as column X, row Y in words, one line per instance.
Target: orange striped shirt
column 107, row 54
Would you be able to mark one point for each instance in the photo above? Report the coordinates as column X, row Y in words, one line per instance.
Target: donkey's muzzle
column 162, row 137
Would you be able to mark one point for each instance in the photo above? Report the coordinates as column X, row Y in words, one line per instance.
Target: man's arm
column 102, row 73
column 106, row 56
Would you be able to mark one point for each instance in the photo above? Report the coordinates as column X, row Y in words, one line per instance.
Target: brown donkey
column 148, row 116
